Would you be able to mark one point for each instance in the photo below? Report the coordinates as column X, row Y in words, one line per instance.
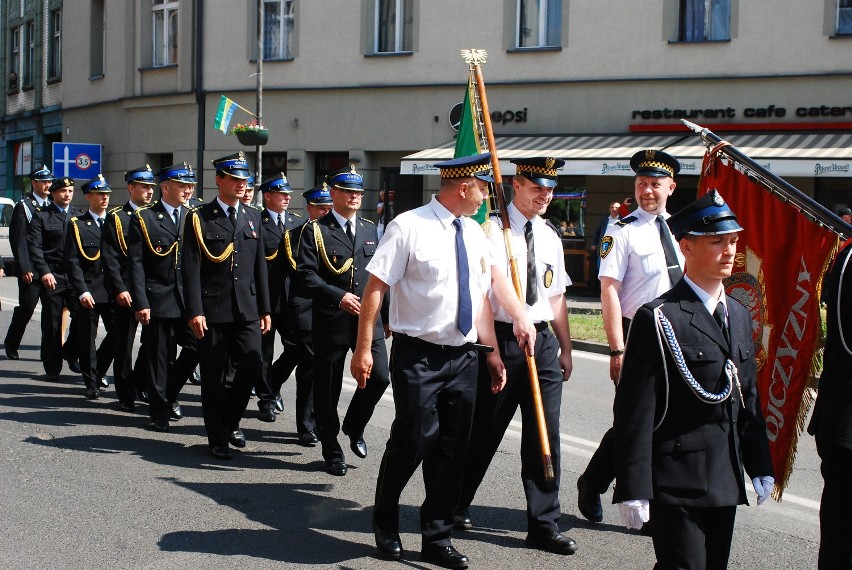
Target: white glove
column 634, row 513
column 763, row 486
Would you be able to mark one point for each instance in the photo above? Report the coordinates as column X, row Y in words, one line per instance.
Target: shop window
column 165, row 32
column 538, row 23
column 704, row 20
column 278, row 28
column 392, row 26
column 844, row 17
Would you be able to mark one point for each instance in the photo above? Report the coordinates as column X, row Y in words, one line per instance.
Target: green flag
column 469, row 139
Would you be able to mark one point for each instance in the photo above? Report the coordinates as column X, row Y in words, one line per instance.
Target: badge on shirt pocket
column 606, row 246
column 548, row 276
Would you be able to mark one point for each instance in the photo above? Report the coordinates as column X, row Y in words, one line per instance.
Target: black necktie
column 176, row 214
column 532, row 282
column 719, row 316
column 232, row 215
column 349, row 233
column 465, row 309
column 281, row 222
column 98, row 220
column 672, row 263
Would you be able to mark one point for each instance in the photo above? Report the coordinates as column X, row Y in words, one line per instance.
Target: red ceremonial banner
column 778, row 269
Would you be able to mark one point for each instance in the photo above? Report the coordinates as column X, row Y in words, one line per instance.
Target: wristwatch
column 618, row 352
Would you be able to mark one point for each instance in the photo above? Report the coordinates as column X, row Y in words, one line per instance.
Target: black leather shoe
column 237, row 439
column 336, row 467
column 74, row 366
column 221, row 452
column 12, row 354
column 589, row 501
column 554, row 542
column 388, row 543
column 308, row 439
column 142, row 396
column 462, row 520
column 266, row 415
column 159, row 425
column 92, row 393
column 444, row 556
column 195, row 378
column 177, row 412
column 103, row 382
column 127, row 406
column 51, row 377
column 279, row 404
column 358, row 447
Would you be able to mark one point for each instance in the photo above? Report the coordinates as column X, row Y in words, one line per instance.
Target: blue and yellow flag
column 224, row 113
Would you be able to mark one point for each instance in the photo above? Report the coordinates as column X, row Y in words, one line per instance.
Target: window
column 278, row 20
column 844, row 17
column 704, row 20
column 165, row 15
column 539, row 23
column 29, row 54
column 393, row 21
column 97, row 40
column 54, row 62
column 15, row 58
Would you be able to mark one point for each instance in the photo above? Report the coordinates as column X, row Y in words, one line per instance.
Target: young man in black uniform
column 687, row 417
column 46, row 246
column 86, row 276
column 275, row 223
column 831, row 422
column 227, row 293
column 28, row 287
column 157, row 290
column 115, row 236
column 296, row 324
column 332, row 260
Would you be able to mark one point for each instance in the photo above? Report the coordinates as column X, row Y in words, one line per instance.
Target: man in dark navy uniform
column 28, row 287
column 687, row 417
column 46, row 246
column 227, row 292
column 156, row 287
column 295, row 324
column 275, row 223
column 89, row 292
column 115, row 236
column 332, row 260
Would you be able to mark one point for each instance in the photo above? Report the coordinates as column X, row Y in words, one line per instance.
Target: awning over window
column 786, row 154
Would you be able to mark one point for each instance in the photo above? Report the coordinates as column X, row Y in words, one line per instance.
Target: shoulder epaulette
column 114, row 210
column 139, row 210
column 294, row 214
column 252, row 206
column 73, row 219
column 624, row 221
column 368, row 221
column 553, row 227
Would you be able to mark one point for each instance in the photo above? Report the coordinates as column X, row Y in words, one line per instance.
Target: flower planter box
column 253, row 137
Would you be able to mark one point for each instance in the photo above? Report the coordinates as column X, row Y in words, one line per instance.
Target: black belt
column 502, row 328
column 466, row 347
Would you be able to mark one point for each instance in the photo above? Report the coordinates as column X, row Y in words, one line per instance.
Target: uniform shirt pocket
column 430, row 264
column 651, row 257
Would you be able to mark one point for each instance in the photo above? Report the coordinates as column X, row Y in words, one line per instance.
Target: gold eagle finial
column 474, row 56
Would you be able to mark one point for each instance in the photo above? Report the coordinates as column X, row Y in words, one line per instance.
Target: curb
column 589, row 346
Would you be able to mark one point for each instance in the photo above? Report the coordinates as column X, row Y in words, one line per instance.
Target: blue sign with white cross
column 76, row 160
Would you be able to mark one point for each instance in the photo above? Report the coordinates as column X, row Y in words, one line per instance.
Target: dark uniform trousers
column 232, row 295
column 46, row 243
column 28, row 293
column 156, row 283
column 691, row 467
column 298, row 355
column 85, row 271
column 600, row 472
column 434, row 391
column 128, row 378
column 495, row 411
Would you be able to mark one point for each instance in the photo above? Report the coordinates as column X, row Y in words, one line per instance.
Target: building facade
column 376, row 82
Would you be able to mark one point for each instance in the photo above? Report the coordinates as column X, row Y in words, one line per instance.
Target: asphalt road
column 87, row 486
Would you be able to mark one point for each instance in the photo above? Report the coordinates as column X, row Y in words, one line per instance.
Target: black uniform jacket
column 832, row 417
column 154, row 262
column 115, row 236
column 276, row 264
column 22, row 213
column 296, row 310
column 83, row 252
column 46, row 241
column 319, row 273
column 696, row 456
column 235, row 289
